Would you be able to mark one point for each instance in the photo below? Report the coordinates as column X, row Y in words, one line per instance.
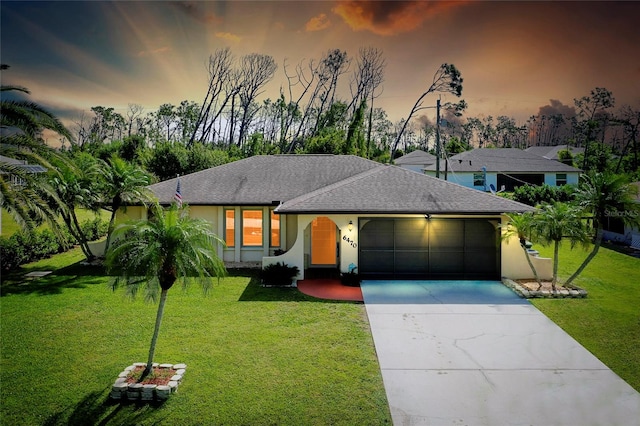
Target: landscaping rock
column 163, row 392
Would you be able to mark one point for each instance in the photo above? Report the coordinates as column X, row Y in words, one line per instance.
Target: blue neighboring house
column 491, row 169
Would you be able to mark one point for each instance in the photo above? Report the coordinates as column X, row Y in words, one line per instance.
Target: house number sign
column 350, row 241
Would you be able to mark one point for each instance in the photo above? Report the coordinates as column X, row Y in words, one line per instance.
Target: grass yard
column 607, row 322
column 255, row 356
column 10, row 227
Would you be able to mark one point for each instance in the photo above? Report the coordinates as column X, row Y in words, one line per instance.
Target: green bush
column 534, row 195
column 278, row 274
column 24, row 247
column 94, row 229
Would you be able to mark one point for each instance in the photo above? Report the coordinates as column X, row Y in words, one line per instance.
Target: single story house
column 551, row 152
column 491, row 169
column 616, row 230
column 337, row 212
column 415, row 160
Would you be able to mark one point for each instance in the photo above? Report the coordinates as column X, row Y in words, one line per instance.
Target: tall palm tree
column 22, row 123
column 521, row 225
column 557, row 222
column 157, row 252
column 605, row 195
column 76, row 187
column 123, row 183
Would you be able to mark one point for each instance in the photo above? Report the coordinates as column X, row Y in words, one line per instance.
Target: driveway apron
column 474, row 353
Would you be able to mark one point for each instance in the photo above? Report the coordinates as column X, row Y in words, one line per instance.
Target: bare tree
column 221, row 88
column 134, row 111
column 447, row 79
column 257, row 70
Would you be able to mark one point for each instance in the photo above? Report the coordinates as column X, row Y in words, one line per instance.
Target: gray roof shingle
column 329, row 183
column 392, row 189
column 261, row 180
column 416, row 157
column 503, row 160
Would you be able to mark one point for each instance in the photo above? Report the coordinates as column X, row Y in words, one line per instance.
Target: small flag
column 178, row 196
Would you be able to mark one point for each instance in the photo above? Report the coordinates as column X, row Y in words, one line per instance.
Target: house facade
column 488, row 169
column 343, row 212
column 616, row 230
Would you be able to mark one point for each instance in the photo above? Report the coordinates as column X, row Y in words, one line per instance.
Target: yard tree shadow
column 72, row 276
column 97, row 408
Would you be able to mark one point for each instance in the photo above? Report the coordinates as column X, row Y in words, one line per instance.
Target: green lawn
column 255, row 356
column 607, row 322
column 10, row 227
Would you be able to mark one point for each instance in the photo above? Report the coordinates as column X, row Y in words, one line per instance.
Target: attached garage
column 429, row 248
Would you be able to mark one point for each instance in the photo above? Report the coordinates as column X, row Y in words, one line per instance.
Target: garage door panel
column 411, row 234
column 377, row 234
column 413, row 262
column 376, row 261
column 482, row 262
column 447, row 262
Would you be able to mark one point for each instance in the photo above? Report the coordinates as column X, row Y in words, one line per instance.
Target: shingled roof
column 503, row 160
column 416, row 158
column 329, row 183
column 262, row 179
column 392, row 189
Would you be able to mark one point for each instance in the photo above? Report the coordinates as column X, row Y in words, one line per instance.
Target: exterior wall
column 122, row 215
column 572, row 178
column 298, row 253
column 515, row 265
column 466, row 179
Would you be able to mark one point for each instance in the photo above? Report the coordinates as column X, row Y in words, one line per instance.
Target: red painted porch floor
column 330, row 289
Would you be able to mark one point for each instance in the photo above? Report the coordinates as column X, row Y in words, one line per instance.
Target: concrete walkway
column 502, row 363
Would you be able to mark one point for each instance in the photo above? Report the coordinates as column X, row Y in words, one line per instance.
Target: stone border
column 562, row 293
column 121, row 390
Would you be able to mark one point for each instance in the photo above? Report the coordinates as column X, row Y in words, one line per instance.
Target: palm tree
column 124, row 183
column 157, row 252
column 521, row 225
column 606, row 195
column 22, row 123
column 555, row 222
column 76, row 187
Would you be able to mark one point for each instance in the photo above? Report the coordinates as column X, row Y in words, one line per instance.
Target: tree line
column 314, row 114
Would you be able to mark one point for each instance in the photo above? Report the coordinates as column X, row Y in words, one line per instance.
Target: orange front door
column 323, row 242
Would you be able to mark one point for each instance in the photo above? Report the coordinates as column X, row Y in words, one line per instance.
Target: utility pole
column 438, row 138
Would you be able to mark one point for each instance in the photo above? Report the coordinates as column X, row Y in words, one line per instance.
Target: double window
column 252, row 226
column 478, row 179
column 561, row 179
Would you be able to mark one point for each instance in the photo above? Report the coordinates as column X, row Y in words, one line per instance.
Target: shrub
column 94, row 229
column 534, row 195
column 278, row 274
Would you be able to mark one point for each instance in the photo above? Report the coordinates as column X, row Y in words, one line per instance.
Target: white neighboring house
column 416, row 161
column 616, row 230
column 491, row 169
column 551, row 152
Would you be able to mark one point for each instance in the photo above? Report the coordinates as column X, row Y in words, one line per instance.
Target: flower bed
column 158, row 385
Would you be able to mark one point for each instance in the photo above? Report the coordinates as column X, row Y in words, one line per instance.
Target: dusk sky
column 514, row 57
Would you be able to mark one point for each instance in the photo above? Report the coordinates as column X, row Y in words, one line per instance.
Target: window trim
column 242, row 234
column 226, row 228
column 272, row 215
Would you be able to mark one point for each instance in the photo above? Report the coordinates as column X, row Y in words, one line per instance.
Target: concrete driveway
column 486, row 357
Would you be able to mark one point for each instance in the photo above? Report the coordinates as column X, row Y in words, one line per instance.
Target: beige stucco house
column 336, row 212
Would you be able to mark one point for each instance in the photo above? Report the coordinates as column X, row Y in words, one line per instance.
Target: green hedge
column 28, row 246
